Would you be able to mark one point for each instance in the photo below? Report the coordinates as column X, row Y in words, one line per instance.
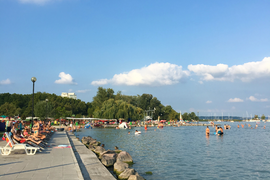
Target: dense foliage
column 106, row 104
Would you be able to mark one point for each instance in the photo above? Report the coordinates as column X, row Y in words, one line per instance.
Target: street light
column 46, row 109
column 33, row 79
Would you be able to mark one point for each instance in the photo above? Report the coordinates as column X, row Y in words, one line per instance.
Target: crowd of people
column 218, row 130
column 34, row 135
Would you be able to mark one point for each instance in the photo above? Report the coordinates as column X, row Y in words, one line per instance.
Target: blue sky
column 203, row 56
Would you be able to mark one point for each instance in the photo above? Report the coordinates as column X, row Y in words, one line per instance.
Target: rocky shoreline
column 119, row 160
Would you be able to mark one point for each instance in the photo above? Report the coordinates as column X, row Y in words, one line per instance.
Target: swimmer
column 145, row 127
column 207, row 131
column 221, row 130
column 102, row 145
column 248, row 125
column 264, row 127
column 242, row 125
column 128, row 132
column 238, row 125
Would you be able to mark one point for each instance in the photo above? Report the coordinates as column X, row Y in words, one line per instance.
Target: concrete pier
column 90, row 165
column 73, row 163
column 52, row 163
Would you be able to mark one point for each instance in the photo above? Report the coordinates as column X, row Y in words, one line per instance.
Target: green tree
column 9, row 109
column 263, row 117
column 43, row 109
column 256, row 116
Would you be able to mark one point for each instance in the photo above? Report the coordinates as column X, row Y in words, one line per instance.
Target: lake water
column 185, row 152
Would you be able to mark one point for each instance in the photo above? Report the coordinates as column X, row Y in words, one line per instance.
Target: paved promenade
column 52, row 163
column 90, row 165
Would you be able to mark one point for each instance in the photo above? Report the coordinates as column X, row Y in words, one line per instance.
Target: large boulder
column 86, row 140
column 107, row 152
column 94, row 142
column 124, row 157
column 119, row 167
column 91, row 147
column 98, row 150
column 135, row 177
column 126, row 174
column 108, row 159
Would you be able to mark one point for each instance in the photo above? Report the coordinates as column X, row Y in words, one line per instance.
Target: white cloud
column 156, row 74
column 208, row 102
column 5, row 82
column 252, row 98
column 222, row 72
column 235, row 100
column 100, row 82
column 83, row 91
column 201, row 82
column 40, row 2
column 65, row 79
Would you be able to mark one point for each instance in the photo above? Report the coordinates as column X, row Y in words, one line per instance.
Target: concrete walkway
column 52, row 163
column 90, row 165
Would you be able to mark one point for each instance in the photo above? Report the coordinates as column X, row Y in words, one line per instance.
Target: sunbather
column 36, row 128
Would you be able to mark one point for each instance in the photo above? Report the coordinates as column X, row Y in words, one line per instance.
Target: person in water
column 207, row 131
column 128, row 132
column 145, row 127
column 238, row 125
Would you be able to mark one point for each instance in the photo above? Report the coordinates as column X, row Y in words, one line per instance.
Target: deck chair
column 42, row 145
column 10, row 146
column 28, row 144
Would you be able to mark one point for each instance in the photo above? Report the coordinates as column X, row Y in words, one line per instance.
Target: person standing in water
column 145, row 127
column 207, row 131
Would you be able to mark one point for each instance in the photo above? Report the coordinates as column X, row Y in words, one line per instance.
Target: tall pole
column 33, row 79
column 46, row 110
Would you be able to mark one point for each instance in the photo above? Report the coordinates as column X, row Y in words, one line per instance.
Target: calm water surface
column 186, row 153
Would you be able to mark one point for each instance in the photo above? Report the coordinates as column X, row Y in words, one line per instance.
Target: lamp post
column 33, row 79
column 46, row 109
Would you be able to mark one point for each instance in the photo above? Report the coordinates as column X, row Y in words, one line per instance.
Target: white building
column 69, row 95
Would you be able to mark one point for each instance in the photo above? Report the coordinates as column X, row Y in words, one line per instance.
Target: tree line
column 106, row 104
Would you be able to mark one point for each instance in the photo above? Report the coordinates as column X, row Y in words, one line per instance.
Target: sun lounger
column 10, row 146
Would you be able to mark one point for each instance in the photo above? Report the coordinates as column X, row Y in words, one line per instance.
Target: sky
column 211, row 57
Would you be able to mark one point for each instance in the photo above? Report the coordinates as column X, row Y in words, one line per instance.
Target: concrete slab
column 51, row 162
column 90, row 165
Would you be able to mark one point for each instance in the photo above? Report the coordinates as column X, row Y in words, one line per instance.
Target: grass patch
column 130, row 163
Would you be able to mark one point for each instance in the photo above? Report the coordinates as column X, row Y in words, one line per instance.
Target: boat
column 138, row 132
column 123, row 125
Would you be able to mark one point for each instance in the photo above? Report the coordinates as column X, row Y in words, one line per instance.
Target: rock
column 107, row 152
column 98, row 150
column 108, row 159
column 94, row 142
column 135, row 177
column 119, row 167
column 86, row 140
column 125, row 175
column 124, row 157
column 91, row 147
